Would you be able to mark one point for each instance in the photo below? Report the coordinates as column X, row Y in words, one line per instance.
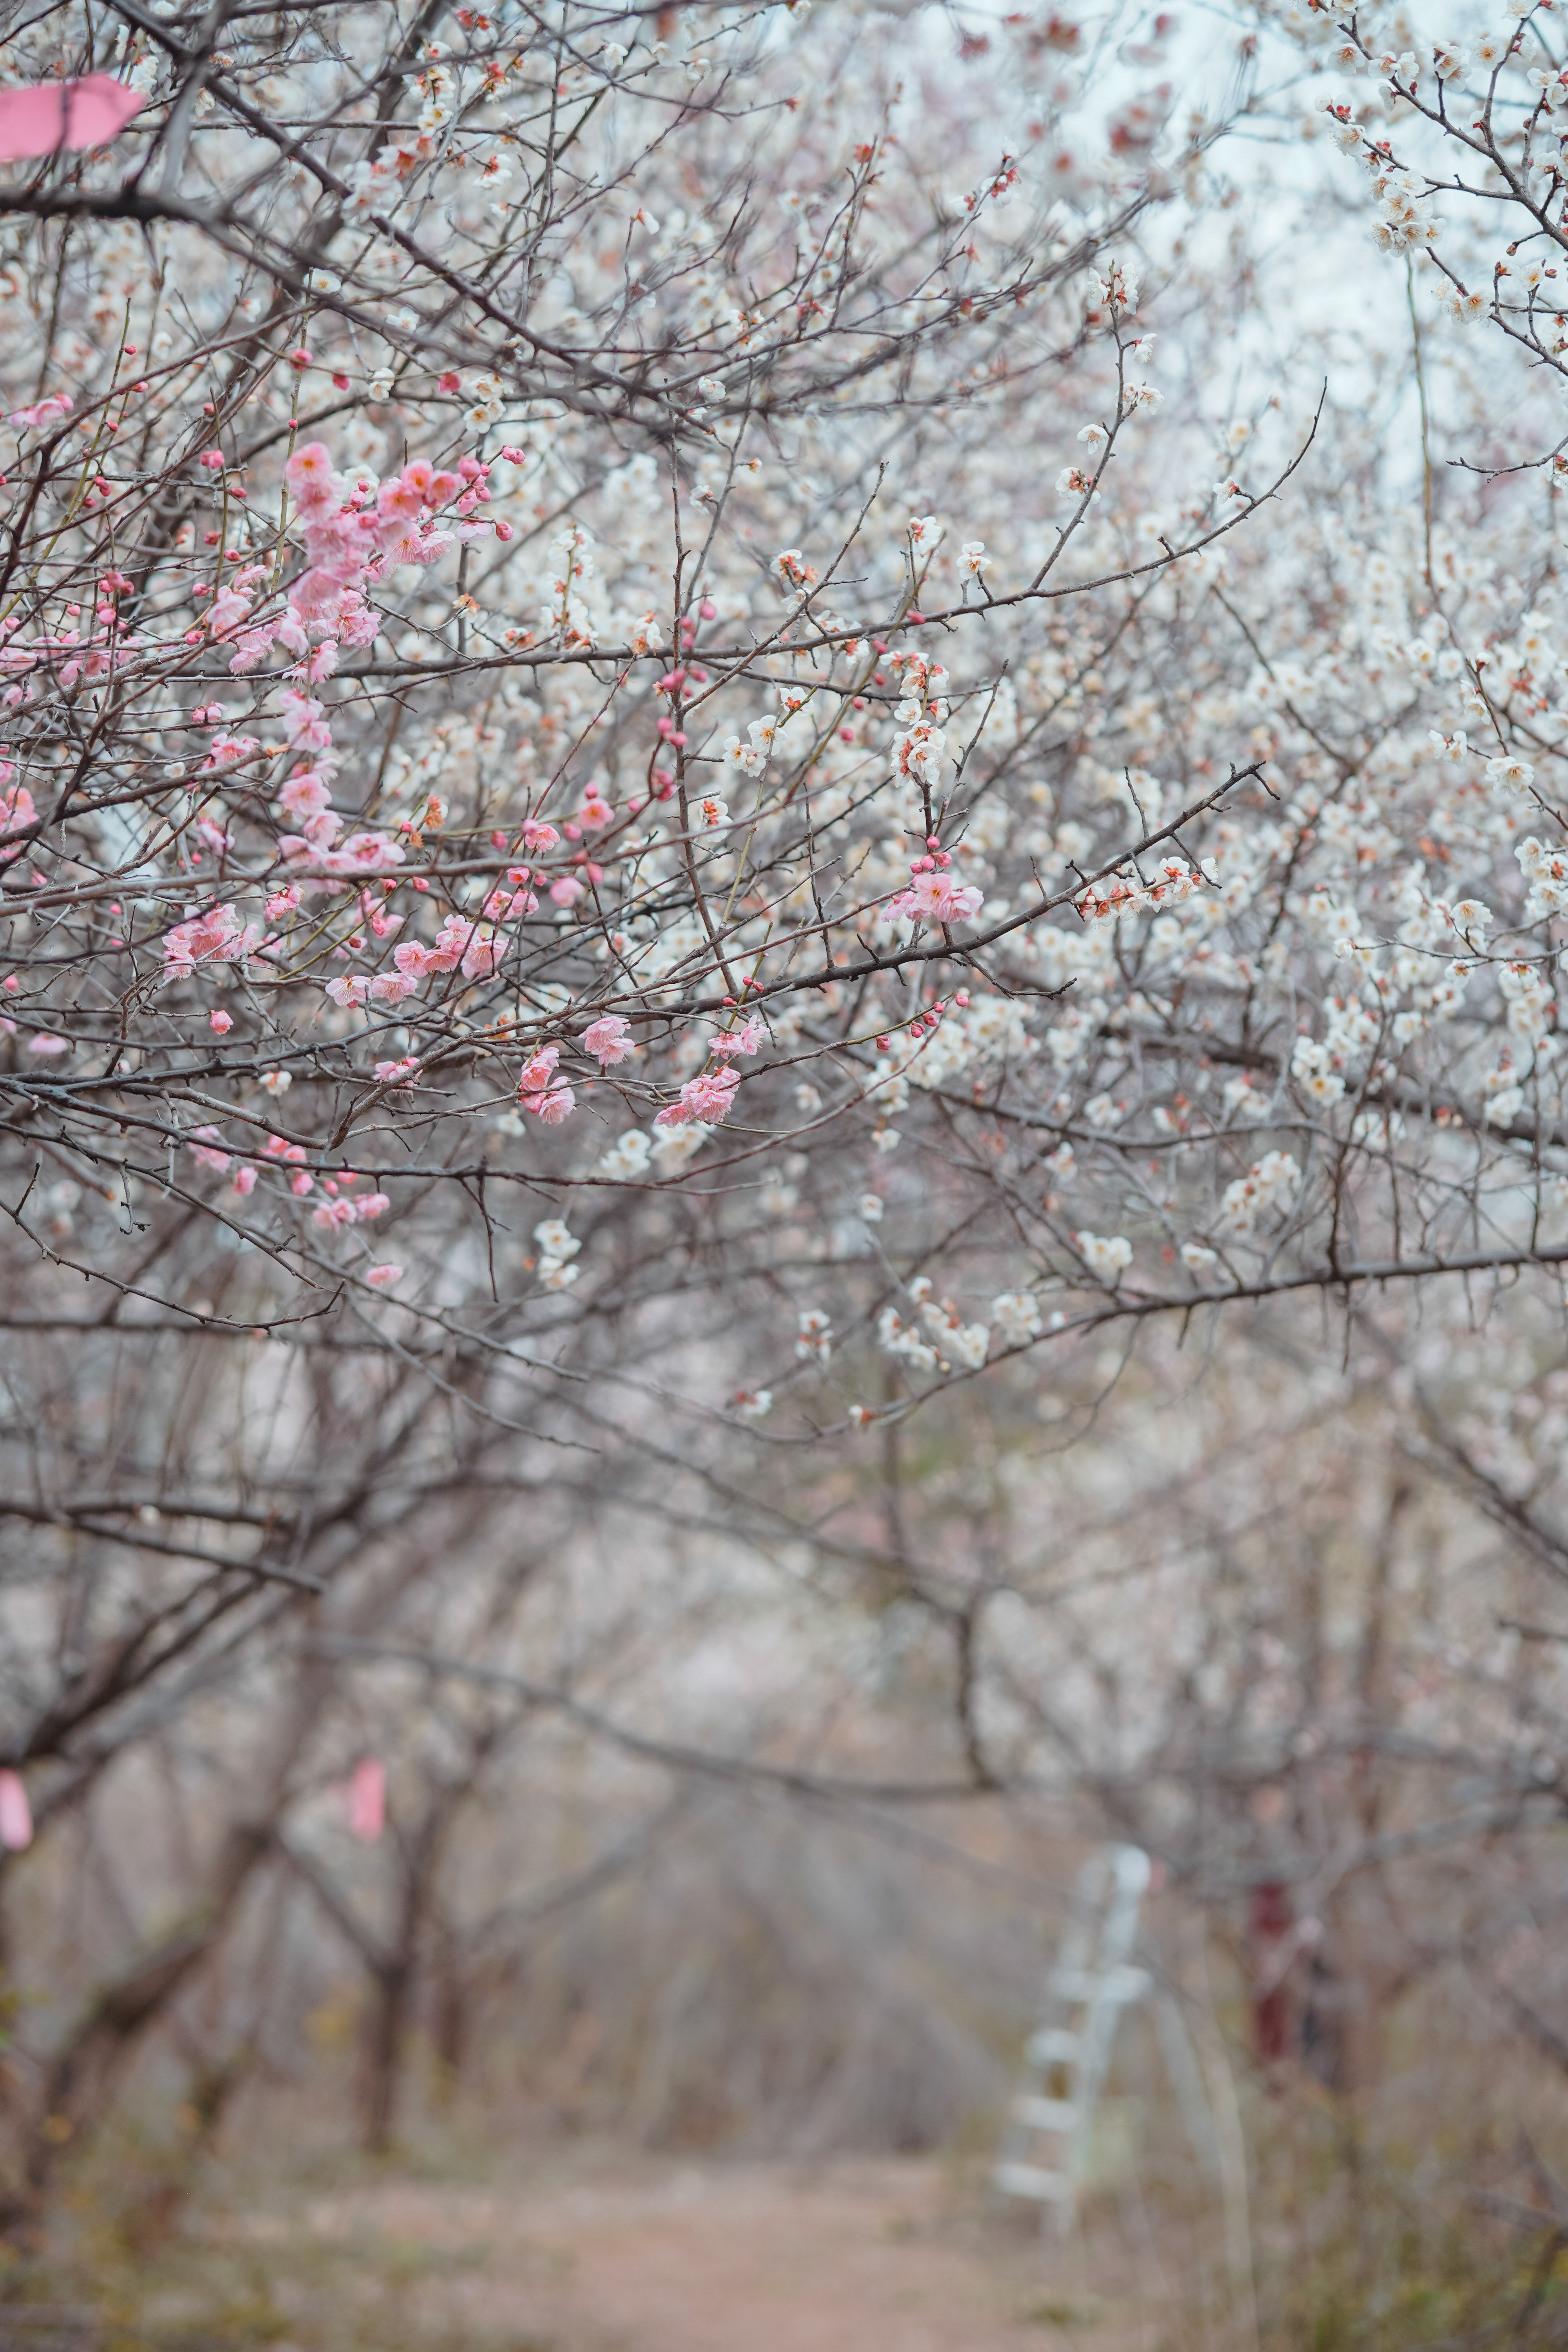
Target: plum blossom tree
column 658, row 804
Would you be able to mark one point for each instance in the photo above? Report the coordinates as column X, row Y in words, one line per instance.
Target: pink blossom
column 400, row 501
column 228, row 750
column 358, row 624
column 245, row 1179
column 18, row 810
column 305, row 795
column 16, row 1813
column 350, row 991
column 707, row 1096
column 936, row 897
column 551, row 1107
column 311, row 481
column 301, row 1184
column 304, row 723
column 222, row 1023
column 59, row 404
column 609, row 1040
column 199, row 1146
column 368, row 853
column 483, row 954
column 539, row 1071
column 252, row 648
column 596, row 811
column 320, row 664
column 47, row 1043
column 749, row 1040
column 391, row 987
column 565, row 890
column 510, row 907
column 334, row 1212
column 415, row 960
column 451, row 943
column 424, row 547
column 398, row 1073
column 374, row 1204
column 380, row 1276
column 227, row 609
column 316, row 595
column 341, row 546
column 537, row 835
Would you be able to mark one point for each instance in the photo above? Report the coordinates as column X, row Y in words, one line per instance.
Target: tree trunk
column 385, row 2051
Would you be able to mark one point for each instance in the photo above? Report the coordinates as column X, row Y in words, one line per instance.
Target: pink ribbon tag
column 367, row 1799
column 63, row 114
column 16, row 1813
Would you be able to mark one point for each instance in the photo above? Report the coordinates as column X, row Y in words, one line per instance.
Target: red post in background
column 1269, row 1923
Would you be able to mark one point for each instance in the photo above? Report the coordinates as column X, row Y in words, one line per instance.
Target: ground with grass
column 610, row 2254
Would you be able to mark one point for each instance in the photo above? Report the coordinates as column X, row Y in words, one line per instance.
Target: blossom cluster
column 573, row 747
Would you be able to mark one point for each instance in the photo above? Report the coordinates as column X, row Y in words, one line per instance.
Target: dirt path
column 851, row 2257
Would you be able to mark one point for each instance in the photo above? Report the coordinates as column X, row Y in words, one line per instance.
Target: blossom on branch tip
column 17, row 809
column 230, row 751
column 935, row 896
column 1106, row 1259
column 1017, row 1315
column 303, row 722
column 1509, row 774
column 216, row 937
column 539, row 1070
column 540, row 1091
column 814, row 1336
column 708, row 1097
column 1272, row 1183
column 749, row 1039
column 310, row 477
column 1312, row 1066
column 609, row 1040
